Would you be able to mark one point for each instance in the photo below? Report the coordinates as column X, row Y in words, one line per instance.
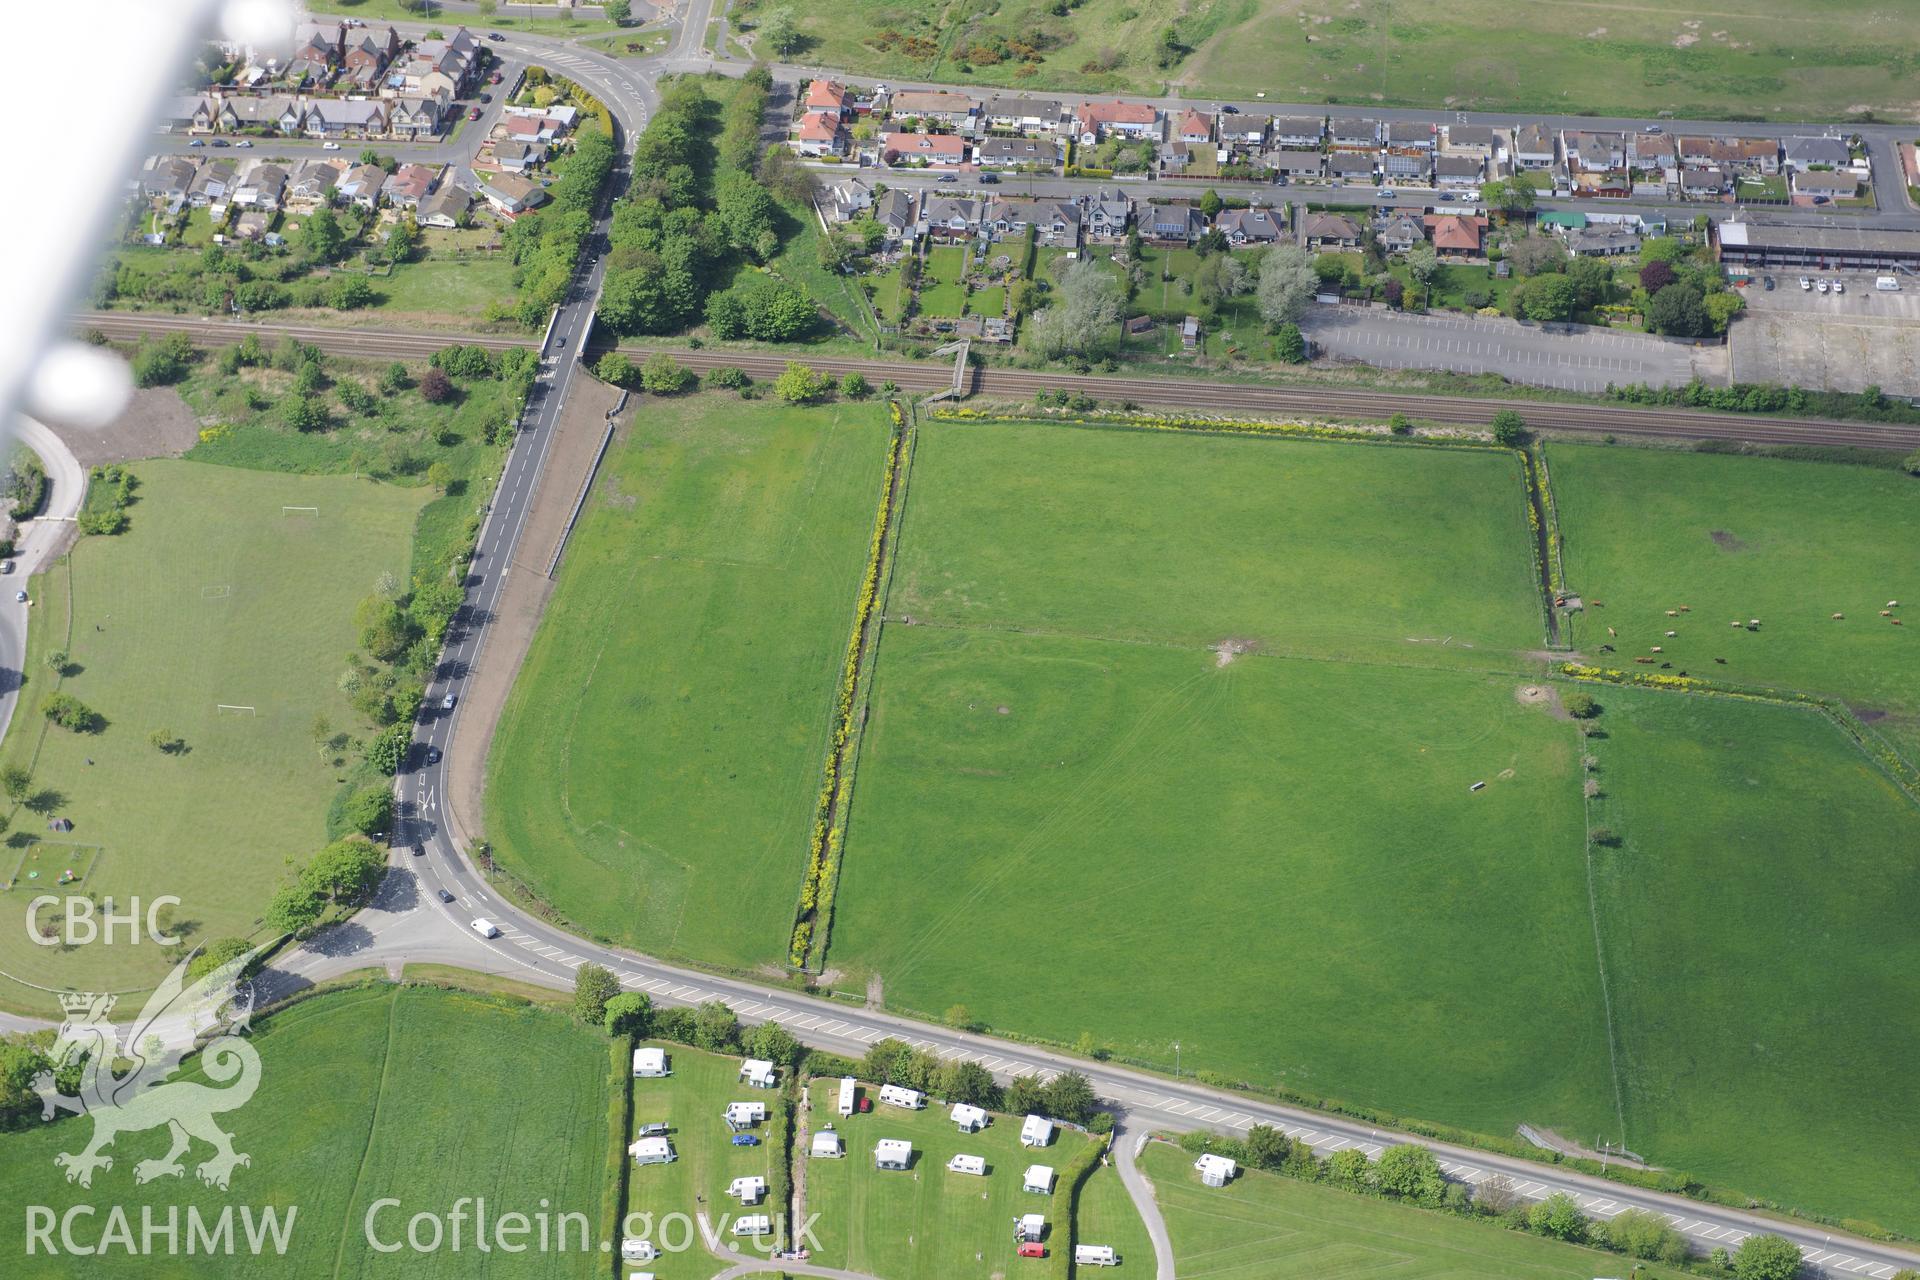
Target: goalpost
column 299, row 511
column 232, row 709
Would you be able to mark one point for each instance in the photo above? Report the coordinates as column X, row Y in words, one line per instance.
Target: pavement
column 1570, row 357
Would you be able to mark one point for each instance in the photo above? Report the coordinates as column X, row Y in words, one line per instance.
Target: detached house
column 1297, row 131
column 1106, row 215
column 1350, row 134
column 1477, row 140
column 169, row 178
column 1330, row 231
column 450, row 66
column 1022, row 115
column 1093, row 121
column 818, row 133
column 1806, row 153
column 932, row 106
column 1350, row 166
column 1057, row 220
column 1458, row 171
column 1533, row 147
column 828, row 97
column 1295, row 162
column 1402, row 232
column 1456, row 235
column 408, row 185
column 418, row 117
column 1248, row 226
column 312, row 180
column 935, row 150
column 213, row 184
column 1194, row 127
column 1010, row 153
column 445, row 208
column 1594, row 151
column 1173, row 224
column 510, row 195
column 952, row 217
column 361, row 186
column 895, row 213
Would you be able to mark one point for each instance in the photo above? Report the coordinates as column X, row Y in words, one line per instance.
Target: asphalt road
column 39, row 538
column 1198, row 395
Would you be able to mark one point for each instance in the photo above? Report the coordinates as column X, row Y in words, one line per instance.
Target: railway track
column 1186, row 393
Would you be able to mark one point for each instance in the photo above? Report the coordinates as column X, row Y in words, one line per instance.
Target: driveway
column 1569, row 357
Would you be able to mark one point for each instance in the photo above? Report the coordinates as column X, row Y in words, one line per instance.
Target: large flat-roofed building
column 1756, row 244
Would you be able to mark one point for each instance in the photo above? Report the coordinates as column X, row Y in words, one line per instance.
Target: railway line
column 1185, row 393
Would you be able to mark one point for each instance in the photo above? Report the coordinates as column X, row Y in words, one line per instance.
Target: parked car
column 1821, row 286
column 221, row 142
column 989, row 179
column 19, row 597
column 653, row 1130
column 198, row 142
column 329, row 146
column 1839, row 286
column 949, row 177
column 433, row 755
column 494, row 78
column 1386, row 193
column 1766, row 282
column 1653, row 128
column 1805, row 283
column 445, row 896
column 486, row 97
column 1032, row 1249
column 496, row 37
column 745, row 1140
column 6, row 566
column 419, row 851
column 473, row 113
column 1820, row 199
column 244, row 143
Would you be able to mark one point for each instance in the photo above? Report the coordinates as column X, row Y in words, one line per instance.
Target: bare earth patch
column 1726, row 541
column 157, row 423
column 1227, row 650
column 1541, row 695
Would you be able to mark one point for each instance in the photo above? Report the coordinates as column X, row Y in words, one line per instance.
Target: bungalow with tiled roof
column 1457, row 235
column 936, row 150
column 1093, row 121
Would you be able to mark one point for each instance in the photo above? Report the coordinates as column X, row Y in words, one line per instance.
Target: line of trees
column 545, row 245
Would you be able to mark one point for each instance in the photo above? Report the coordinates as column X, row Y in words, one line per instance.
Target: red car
column 866, row 1103
column 494, row 78
column 473, row 113
column 1032, row 1249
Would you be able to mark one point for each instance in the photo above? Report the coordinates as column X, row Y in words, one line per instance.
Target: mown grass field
column 656, row 769
column 451, row 291
column 1758, row 926
column 928, row 1223
column 211, row 596
column 1776, row 59
column 691, row 1102
column 1265, row 1227
column 1789, row 543
column 1287, row 546
column 368, row 1094
column 941, row 293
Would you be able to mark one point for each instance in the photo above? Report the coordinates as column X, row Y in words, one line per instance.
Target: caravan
column 849, row 1095
column 975, row 1165
column 1095, row 1255
column 900, row 1096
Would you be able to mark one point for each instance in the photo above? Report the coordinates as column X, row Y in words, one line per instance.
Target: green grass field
column 369, row 1094
column 452, row 291
column 1789, row 543
column 213, row 595
column 656, row 769
column 691, row 1102
column 1749, row 58
column 929, row 1223
column 1266, row 1227
column 1288, row 546
column 1758, row 925
column 510, row 16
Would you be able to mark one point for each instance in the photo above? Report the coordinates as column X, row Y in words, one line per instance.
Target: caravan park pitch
column 224, row 618
column 379, row 1093
column 656, row 769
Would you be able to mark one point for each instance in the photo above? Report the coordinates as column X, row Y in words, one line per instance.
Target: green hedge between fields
column 1066, row 1203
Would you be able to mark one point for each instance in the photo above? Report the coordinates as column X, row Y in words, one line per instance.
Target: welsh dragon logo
column 124, row 1082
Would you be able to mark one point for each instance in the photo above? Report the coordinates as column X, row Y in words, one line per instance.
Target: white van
column 1887, row 284
column 486, row 928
